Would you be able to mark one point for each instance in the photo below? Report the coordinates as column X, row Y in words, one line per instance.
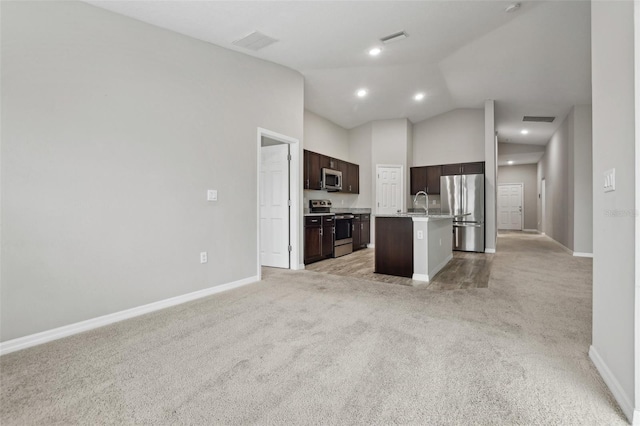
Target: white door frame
column 294, row 194
column 543, row 206
column 521, row 184
column 402, row 200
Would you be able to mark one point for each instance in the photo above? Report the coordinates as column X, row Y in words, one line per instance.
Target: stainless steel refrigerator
column 464, row 195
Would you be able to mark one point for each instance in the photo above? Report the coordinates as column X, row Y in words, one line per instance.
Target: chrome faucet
column 426, row 200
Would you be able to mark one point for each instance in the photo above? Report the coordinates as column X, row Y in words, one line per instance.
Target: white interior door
column 274, row 206
column 510, row 206
column 389, row 195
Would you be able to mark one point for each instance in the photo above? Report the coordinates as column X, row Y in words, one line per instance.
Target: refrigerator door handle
column 457, row 243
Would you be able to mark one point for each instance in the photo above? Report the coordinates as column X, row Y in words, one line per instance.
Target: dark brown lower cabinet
column 318, row 238
column 361, row 231
column 394, row 246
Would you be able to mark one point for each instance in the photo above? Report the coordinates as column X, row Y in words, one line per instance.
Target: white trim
column 294, row 193
column 636, row 350
column 90, row 324
column 420, row 277
column 489, row 250
column 616, row 389
column 531, row 230
column 579, row 254
column 300, row 266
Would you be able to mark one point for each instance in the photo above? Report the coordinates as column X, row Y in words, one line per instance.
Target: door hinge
column 290, row 249
column 289, row 157
column 289, row 203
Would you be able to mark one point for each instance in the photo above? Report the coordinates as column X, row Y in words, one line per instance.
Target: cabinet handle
column 333, row 230
column 349, row 188
column 361, row 226
column 307, row 183
column 353, row 227
column 321, row 232
column 314, row 220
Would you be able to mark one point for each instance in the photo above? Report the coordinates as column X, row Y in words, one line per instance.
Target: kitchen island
column 416, row 246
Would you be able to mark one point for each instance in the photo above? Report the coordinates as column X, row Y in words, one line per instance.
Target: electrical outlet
column 203, row 257
column 610, row 180
column 420, row 235
column 212, row 195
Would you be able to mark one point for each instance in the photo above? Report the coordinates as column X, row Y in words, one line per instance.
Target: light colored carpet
column 309, row 348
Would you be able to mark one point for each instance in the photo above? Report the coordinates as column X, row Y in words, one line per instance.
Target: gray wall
column 612, row 41
column 490, row 172
column 582, row 180
column 566, row 166
column 527, row 175
column 112, row 131
column 453, row 137
column 554, row 168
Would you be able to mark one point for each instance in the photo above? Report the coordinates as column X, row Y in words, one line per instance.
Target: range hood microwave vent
column 255, row 41
column 538, row 119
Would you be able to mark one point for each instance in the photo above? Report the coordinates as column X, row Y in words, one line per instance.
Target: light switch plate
column 609, row 180
column 212, row 195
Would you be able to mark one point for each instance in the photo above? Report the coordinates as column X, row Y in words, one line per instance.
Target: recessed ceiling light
column 419, row 96
column 524, row 131
column 510, row 162
column 512, row 7
column 361, row 93
column 375, row 51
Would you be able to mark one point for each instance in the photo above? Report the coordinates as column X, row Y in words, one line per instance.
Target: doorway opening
column 278, row 222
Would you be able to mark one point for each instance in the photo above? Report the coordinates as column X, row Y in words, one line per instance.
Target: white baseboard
column 578, row 254
column 614, row 386
column 531, row 230
column 489, row 250
column 420, row 277
column 300, row 266
column 82, row 326
column 371, row 246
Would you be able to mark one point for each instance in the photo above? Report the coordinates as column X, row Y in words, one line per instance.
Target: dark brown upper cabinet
column 312, row 170
column 352, row 183
column 426, row 178
column 463, row 169
column 314, row 163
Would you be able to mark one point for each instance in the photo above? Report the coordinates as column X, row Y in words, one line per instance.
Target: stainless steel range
column 343, row 237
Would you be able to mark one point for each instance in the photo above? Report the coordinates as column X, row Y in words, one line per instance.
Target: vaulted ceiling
column 533, row 61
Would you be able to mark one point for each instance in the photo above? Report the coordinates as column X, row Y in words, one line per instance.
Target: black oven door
column 343, row 229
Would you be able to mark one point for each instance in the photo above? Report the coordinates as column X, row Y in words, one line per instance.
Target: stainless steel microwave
column 331, row 180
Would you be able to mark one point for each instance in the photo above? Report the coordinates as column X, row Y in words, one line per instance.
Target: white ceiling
column 535, row 61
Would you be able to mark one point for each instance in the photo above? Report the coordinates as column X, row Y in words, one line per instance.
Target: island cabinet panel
column 394, row 246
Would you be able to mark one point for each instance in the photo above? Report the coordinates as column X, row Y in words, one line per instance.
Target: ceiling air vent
column 538, row 119
column 394, row 37
column 255, row 41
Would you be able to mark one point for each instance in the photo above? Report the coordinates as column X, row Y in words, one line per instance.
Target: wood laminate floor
column 465, row 270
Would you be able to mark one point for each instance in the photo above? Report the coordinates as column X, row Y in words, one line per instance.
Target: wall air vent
column 394, row 37
column 255, row 41
column 538, row 119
